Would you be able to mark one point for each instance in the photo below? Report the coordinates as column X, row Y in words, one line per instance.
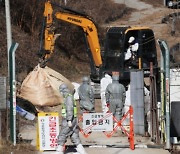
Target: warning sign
column 48, row 130
column 97, row 122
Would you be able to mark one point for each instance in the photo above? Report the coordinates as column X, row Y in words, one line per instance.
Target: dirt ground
column 95, row 143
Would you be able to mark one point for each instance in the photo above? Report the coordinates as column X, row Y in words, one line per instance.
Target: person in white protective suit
column 105, row 81
column 147, row 111
column 132, row 49
column 86, row 96
column 69, row 124
column 115, row 97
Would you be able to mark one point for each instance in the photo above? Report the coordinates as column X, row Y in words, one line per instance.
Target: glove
column 69, row 124
column 107, row 107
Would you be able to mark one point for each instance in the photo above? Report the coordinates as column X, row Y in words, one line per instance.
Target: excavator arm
column 49, row 37
column 87, row 25
column 90, row 30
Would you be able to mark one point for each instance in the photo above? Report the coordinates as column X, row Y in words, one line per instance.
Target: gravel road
column 136, row 4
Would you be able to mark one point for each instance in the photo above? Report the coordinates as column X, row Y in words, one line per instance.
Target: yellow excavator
column 88, row 27
column 116, row 44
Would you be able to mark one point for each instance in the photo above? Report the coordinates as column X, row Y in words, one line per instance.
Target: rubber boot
column 60, row 149
column 80, row 149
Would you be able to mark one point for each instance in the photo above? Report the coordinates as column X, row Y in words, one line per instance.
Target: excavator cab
column 117, row 45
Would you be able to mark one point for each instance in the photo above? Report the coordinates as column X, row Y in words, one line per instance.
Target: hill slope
column 150, row 13
column 70, row 56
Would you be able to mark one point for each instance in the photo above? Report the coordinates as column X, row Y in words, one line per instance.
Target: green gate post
column 12, row 84
column 165, row 52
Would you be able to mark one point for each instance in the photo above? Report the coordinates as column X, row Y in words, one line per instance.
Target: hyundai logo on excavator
column 74, row 20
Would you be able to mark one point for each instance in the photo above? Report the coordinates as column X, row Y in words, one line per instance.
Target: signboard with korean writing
column 48, row 130
column 97, row 122
column 2, row 93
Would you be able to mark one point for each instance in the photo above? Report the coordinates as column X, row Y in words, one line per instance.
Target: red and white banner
column 48, row 130
column 97, row 122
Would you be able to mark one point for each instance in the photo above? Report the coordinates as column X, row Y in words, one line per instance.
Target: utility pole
column 9, row 43
column 165, row 3
column 8, row 29
column 65, row 2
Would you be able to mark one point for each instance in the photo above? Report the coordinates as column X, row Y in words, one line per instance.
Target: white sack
column 41, row 87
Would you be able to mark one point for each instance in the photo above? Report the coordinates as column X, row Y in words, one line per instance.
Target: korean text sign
column 48, row 130
column 97, row 122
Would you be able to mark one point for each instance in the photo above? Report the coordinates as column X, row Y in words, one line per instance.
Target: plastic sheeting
column 41, row 87
column 76, row 86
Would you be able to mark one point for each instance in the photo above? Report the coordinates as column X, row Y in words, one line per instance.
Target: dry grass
column 7, row 147
column 70, row 56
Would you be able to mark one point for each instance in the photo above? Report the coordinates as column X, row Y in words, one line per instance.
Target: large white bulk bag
column 41, row 87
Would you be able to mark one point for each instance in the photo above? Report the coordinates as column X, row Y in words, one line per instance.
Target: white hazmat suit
column 105, row 81
column 115, row 96
column 132, row 50
column 69, row 124
column 86, row 96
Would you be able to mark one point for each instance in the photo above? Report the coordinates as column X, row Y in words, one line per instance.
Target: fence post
column 12, row 83
column 131, row 135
